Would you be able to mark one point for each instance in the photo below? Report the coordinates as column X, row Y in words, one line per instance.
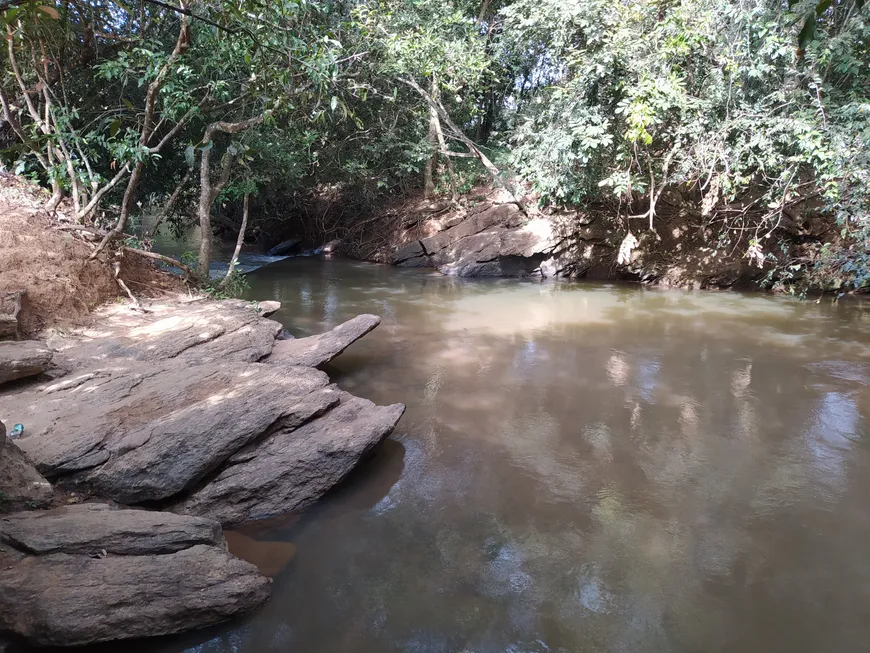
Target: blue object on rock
column 16, row 431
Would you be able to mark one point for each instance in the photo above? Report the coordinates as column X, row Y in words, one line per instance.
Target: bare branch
column 165, row 259
column 239, row 242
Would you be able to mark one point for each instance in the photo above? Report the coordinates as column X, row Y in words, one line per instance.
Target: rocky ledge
column 488, row 240
column 88, row 573
column 489, row 235
column 195, row 408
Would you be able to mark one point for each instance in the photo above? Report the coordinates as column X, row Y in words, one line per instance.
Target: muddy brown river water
column 581, row 468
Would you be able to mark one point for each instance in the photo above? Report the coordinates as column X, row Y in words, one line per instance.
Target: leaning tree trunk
column 239, row 242
column 473, row 150
column 442, row 146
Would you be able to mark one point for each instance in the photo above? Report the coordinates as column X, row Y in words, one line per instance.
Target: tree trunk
column 442, row 146
column 181, row 45
column 239, row 242
column 208, row 192
column 459, row 135
column 428, row 181
column 203, row 213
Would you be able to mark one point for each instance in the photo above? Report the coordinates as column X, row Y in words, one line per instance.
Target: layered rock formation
column 492, row 241
column 486, row 234
column 169, row 406
column 88, row 573
column 195, row 408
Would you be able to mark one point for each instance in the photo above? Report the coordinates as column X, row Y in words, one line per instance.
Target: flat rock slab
column 195, row 331
column 21, row 486
column 70, row 600
column 317, row 350
column 94, row 528
column 20, row 359
column 292, row 468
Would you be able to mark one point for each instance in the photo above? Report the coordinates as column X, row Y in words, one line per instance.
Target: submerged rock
column 21, row 359
column 285, row 247
column 21, row 486
column 94, row 574
column 292, row 468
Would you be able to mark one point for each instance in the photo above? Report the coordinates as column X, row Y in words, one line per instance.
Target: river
column 582, row 467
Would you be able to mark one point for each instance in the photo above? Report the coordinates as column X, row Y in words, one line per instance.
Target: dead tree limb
column 190, row 274
column 239, row 241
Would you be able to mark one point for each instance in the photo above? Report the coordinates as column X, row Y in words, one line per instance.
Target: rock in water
column 285, row 247
column 163, row 406
column 70, row 600
column 493, row 240
column 21, row 359
column 317, row 350
column 21, row 486
column 267, row 308
column 174, row 574
column 292, row 468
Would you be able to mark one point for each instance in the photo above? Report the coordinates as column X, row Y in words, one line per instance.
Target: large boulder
column 160, row 406
column 317, row 350
column 292, row 468
column 153, row 574
column 70, row 600
column 493, row 241
column 21, row 359
column 21, row 486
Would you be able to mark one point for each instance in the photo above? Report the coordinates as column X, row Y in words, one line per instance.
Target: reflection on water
column 581, row 468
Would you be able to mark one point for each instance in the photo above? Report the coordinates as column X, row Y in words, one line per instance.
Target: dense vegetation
column 749, row 119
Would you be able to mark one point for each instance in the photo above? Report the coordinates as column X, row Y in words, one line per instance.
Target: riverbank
column 50, row 257
column 146, row 433
column 486, row 233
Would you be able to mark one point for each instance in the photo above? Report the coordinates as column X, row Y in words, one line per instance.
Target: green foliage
column 748, row 119
column 236, row 286
column 711, row 99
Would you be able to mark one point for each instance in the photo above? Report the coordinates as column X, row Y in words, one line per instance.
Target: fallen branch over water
column 165, row 259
